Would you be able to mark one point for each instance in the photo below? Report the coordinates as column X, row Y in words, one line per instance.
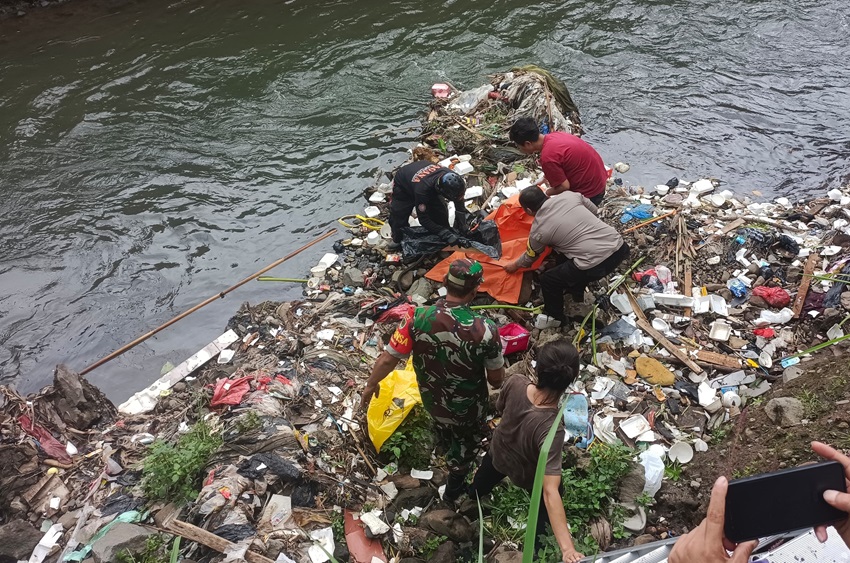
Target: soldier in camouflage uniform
column 455, row 353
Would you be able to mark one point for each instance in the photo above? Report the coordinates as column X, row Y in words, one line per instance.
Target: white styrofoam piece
column 146, row 399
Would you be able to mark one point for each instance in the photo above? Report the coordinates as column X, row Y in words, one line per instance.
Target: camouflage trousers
column 459, row 444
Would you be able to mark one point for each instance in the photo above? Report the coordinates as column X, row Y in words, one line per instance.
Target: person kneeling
column 586, row 249
column 528, row 411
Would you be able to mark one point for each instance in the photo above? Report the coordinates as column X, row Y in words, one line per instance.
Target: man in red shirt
column 569, row 163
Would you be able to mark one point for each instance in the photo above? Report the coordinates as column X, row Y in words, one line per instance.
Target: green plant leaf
column 175, row 550
column 480, row 530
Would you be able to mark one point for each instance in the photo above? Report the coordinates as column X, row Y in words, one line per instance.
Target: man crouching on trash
column 453, row 348
column 586, row 249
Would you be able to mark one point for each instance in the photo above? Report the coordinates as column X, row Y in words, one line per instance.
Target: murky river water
column 152, row 154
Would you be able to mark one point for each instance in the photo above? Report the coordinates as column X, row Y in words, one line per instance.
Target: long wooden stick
column 221, row 295
column 651, row 221
column 808, row 270
column 661, row 339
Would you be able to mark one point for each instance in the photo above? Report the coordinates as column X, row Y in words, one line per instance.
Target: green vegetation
column 155, row 551
column 431, row 545
column 412, row 443
column 338, row 526
column 813, row 404
column 172, row 472
column 745, row 472
column 508, row 510
column 673, row 471
column 644, row 500
column 588, row 493
column 719, row 434
column 248, row 422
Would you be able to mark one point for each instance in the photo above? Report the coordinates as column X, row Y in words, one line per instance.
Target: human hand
column 838, row 499
column 706, row 543
column 369, row 392
column 571, row 556
column 511, row 268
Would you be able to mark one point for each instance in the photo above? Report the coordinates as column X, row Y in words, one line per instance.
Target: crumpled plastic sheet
column 230, row 391
column 640, row 212
column 222, row 490
column 833, row 297
column 304, row 494
column 618, row 330
column 774, row 296
column 397, row 313
column 257, row 466
column 235, row 532
column 419, row 241
column 128, row 517
column 51, row 446
column 120, row 502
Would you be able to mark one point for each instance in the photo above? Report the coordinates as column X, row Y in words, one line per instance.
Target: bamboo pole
column 221, row 295
column 650, row 221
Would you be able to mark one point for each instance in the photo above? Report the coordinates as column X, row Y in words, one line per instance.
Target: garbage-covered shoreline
column 257, row 448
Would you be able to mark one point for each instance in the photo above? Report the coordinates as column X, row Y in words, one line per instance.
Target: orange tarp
column 514, row 225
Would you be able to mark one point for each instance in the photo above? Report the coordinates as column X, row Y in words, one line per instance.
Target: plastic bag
column 653, row 467
column 417, row 241
column 649, row 278
column 576, row 416
column 640, row 212
column 774, row 296
column 398, row 394
column 230, row 391
column 771, row 318
column 514, row 338
column 467, row 100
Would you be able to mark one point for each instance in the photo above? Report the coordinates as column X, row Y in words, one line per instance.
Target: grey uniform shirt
column 567, row 223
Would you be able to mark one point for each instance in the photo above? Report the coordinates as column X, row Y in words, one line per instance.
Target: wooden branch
column 651, row 221
column 808, row 270
column 669, row 346
column 638, row 311
column 717, row 359
column 167, row 519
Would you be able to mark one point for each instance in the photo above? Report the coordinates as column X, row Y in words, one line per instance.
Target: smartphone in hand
column 783, row 501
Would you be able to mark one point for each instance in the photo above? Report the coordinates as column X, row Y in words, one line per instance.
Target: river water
column 154, row 153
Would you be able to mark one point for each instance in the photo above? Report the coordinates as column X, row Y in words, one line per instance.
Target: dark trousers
column 400, row 214
column 597, row 199
column 487, row 477
column 567, row 277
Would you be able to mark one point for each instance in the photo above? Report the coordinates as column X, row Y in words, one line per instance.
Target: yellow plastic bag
column 398, row 394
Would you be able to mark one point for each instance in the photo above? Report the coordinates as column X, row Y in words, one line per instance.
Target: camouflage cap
column 465, row 273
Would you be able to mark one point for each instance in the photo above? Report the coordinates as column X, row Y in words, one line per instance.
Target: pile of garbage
column 257, row 448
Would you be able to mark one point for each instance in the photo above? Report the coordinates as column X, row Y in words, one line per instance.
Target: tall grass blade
column 480, row 530
column 175, row 550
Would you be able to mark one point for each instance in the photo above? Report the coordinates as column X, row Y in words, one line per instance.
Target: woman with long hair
column 528, row 411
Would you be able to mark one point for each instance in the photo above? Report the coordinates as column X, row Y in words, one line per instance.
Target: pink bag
column 514, row 338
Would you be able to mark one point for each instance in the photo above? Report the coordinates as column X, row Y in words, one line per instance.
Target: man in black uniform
column 423, row 185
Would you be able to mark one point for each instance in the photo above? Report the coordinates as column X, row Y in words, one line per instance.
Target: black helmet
column 451, row 186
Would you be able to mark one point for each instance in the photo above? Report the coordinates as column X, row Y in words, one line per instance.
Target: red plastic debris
column 230, row 391
column 361, row 548
column 51, row 446
column 775, row 296
column 397, row 313
column 765, row 332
